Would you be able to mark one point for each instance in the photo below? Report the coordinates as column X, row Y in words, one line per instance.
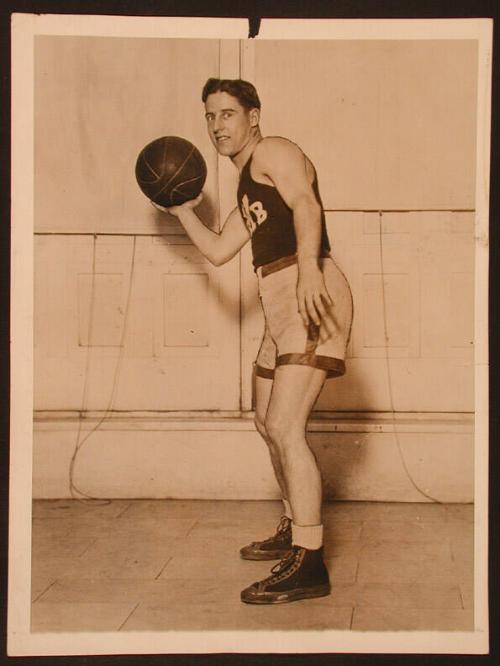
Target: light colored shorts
column 287, row 340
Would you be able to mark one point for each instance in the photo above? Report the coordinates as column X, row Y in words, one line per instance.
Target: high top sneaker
column 302, row 574
column 273, row 548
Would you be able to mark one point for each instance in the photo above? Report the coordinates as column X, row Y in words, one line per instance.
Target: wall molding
column 366, row 457
column 230, row 420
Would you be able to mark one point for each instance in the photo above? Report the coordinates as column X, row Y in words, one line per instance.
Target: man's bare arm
column 218, row 248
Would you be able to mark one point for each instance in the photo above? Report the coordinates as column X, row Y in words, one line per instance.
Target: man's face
column 229, row 123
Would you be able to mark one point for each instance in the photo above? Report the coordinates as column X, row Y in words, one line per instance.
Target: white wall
column 390, row 127
column 99, row 101
column 389, row 124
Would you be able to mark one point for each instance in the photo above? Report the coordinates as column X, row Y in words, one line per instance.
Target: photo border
column 25, row 26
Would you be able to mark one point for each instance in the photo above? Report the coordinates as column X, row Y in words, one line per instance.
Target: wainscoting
column 362, row 457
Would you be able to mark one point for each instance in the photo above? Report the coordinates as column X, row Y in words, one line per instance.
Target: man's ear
column 254, row 117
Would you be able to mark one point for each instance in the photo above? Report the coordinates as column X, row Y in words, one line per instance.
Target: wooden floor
column 174, row 565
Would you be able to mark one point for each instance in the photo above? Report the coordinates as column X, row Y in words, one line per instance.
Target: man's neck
column 242, row 157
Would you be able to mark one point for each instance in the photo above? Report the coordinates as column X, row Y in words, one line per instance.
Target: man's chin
column 224, row 150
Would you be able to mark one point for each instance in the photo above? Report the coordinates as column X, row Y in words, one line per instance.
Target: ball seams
column 178, row 188
column 176, row 173
column 158, row 159
column 146, row 163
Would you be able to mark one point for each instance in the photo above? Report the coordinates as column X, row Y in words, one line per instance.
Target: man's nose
column 218, row 124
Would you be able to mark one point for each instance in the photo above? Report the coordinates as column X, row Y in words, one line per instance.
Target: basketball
column 170, row 171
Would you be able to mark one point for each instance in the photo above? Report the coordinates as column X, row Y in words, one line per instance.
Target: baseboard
column 376, row 457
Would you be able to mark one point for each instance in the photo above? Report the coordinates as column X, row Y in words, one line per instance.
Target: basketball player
column 308, row 311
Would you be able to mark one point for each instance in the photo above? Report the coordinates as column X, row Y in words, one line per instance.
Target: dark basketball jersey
column 270, row 221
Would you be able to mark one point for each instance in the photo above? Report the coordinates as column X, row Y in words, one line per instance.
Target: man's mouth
column 221, row 139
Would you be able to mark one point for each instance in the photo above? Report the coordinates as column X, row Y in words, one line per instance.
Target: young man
column 308, row 312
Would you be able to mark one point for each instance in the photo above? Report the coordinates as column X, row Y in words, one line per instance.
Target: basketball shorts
column 287, row 340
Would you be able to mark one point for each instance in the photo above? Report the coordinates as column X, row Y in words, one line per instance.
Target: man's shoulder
column 275, row 148
column 278, row 143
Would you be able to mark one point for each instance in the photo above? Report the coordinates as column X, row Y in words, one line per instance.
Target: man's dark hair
column 242, row 90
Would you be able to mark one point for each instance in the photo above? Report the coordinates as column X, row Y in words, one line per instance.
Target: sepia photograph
column 250, row 335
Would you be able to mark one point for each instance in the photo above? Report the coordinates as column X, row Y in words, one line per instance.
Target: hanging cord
column 388, row 369
column 76, row 492
column 84, row 497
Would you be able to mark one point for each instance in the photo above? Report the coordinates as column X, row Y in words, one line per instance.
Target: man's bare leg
column 302, row 574
column 295, row 390
column 263, row 390
column 276, row 546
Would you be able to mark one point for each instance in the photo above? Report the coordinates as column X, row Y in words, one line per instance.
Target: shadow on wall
column 339, row 458
column 168, row 225
column 341, row 455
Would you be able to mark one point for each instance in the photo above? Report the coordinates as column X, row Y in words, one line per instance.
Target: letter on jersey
column 254, row 214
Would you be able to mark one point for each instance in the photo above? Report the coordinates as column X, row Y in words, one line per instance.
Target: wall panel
column 98, row 102
column 390, row 126
column 388, row 123
column 423, row 299
column 180, row 331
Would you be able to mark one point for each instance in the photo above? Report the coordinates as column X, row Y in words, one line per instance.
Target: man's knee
column 273, row 433
column 279, row 431
column 261, row 427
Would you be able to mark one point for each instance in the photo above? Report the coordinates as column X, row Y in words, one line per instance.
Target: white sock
column 288, row 508
column 307, row 536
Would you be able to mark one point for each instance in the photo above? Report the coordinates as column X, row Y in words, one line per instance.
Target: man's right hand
column 178, row 210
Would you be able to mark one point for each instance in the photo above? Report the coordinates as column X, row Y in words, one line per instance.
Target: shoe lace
column 281, row 530
column 284, row 525
column 282, row 566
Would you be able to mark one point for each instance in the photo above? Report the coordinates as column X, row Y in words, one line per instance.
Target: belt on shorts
column 279, row 264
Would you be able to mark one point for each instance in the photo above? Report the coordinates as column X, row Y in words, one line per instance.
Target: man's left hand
column 314, row 301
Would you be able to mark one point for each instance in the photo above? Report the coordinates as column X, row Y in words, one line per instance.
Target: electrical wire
column 388, row 370
column 76, row 492
column 82, row 496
